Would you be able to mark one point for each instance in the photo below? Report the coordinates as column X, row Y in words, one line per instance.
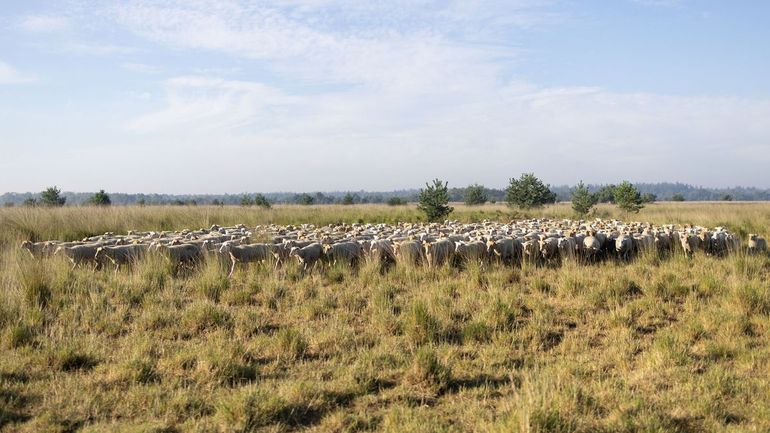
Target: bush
column 304, row 199
column 291, row 344
column 677, row 197
column 434, row 201
column 348, row 199
column 100, row 199
column 261, row 201
column 475, row 195
column 396, row 201
column 528, row 192
column 421, row 326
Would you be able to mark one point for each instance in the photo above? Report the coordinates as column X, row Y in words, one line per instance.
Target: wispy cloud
column 9, row 75
column 96, row 49
column 141, row 68
column 44, row 23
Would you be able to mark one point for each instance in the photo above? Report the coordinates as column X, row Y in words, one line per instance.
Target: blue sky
column 298, row 95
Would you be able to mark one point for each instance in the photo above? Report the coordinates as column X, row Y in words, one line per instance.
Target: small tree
column 101, row 198
column 726, row 197
column 304, row 199
column 396, row 201
column 141, row 202
column 261, row 201
column 246, row 201
column 628, row 198
column 528, row 192
column 52, row 197
column 434, row 201
column 348, row 199
column 606, row 194
column 649, row 197
column 29, row 202
column 475, row 195
column 217, row 202
column 677, row 197
column 582, row 199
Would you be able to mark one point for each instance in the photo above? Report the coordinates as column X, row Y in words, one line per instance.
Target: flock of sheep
column 535, row 241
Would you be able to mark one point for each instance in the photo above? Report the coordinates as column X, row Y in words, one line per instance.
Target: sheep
column 381, row 252
column 624, row 246
column 439, row 252
column 757, row 244
column 409, row 251
column 347, row 252
column 81, row 255
column 246, row 254
column 506, row 250
column 471, row 251
column 37, row 249
column 307, row 256
column 182, row 254
column 120, row 254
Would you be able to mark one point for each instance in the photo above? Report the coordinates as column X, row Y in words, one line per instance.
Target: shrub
column 100, row 199
column 396, row 201
column 434, row 201
column 475, row 195
column 291, row 344
column 428, row 371
column 421, row 326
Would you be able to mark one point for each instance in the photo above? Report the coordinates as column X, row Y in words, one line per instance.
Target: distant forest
column 661, row 191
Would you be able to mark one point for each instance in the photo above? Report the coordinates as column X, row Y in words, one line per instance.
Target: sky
column 228, row 96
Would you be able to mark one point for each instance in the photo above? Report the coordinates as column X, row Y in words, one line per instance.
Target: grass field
column 671, row 345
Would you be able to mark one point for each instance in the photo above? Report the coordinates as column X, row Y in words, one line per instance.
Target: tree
column 52, row 197
column 100, row 199
column 606, row 194
column 396, row 201
column 348, row 199
column 582, row 199
column 29, row 202
column 528, row 191
column 141, row 202
column 677, row 197
column 628, row 198
column 304, row 199
column 434, row 201
column 726, row 197
column 246, row 201
column 217, row 202
column 475, row 195
column 649, row 197
column 261, row 201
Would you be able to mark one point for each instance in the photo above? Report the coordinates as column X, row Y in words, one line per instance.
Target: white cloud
column 141, row 68
column 97, row 49
column 9, row 75
column 45, row 23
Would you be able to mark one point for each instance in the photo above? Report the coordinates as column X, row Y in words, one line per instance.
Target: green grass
column 648, row 346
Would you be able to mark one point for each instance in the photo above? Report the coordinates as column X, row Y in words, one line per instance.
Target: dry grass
column 653, row 345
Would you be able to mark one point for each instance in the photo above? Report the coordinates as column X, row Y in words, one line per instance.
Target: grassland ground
column 654, row 345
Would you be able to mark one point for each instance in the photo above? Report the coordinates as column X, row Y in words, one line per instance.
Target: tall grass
column 666, row 344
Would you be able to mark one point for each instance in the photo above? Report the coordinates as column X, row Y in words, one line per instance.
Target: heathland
column 652, row 345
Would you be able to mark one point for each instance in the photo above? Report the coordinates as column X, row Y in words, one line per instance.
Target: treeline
column 653, row 191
